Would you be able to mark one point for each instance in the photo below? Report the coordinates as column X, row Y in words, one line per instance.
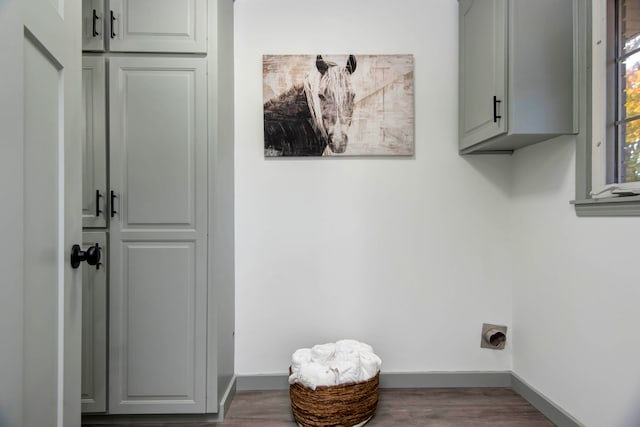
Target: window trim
column 590, row 134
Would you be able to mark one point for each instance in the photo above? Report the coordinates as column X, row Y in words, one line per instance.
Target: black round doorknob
column 91, row 255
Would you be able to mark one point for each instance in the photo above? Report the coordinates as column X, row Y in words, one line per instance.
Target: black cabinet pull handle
column 95, row 18
column 91, row 255
column 496, row 101
column 98, row 210
column 113, row 197
column 113, row 19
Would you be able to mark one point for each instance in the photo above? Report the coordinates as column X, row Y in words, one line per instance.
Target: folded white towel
column 370, row 364
column 323, row 353
column 300, row 357
column 347, row 366
column 313, row 375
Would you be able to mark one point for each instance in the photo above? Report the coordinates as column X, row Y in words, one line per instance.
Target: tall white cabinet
column 167, row 204
column 94, row 222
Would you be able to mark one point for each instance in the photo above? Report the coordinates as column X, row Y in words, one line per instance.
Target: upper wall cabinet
column 178, row 26
column 172, row 26
column 517, row 73
column 93, row 25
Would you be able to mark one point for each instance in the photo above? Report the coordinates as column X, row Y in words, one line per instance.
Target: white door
column 158, row 235
column 41, row 57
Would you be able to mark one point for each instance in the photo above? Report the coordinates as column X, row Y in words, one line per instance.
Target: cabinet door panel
column 158, row 161
column 483, row 49
column 158, row 330
column 94, row 149
column 158, row 25
column 160, row 308
column 94, row 327
column 158, row 143
column 159, row 157
column 93, row 25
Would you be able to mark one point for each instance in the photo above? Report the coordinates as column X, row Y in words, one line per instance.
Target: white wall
column 576, row 294
column 408, row 254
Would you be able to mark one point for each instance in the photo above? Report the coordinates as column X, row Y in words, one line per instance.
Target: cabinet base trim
column 225, row 403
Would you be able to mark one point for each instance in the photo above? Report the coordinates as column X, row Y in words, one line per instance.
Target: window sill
column 614, row 206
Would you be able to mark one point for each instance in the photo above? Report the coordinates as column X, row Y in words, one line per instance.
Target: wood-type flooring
column 424, row 407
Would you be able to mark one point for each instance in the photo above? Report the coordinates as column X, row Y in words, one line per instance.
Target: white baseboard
column 539, row 401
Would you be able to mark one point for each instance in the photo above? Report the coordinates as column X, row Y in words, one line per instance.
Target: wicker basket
column 341, row 405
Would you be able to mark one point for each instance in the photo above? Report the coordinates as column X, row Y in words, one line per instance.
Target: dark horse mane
column 289, row 128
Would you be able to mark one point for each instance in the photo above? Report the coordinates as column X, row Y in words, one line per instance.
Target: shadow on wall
column 495, row 168
column 536, row 169
column 543, row 168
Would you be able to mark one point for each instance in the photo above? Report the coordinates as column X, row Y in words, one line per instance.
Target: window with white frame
column 615, row 169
